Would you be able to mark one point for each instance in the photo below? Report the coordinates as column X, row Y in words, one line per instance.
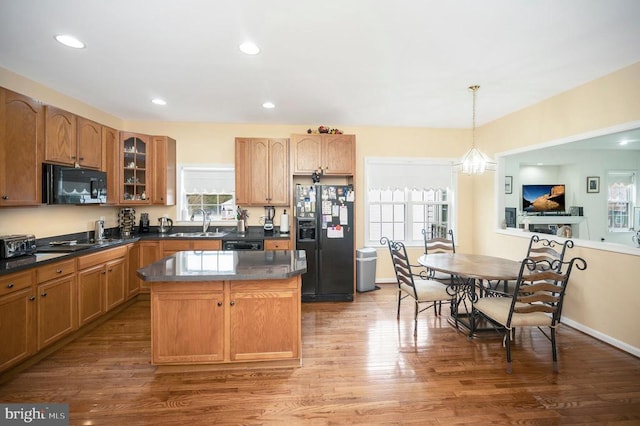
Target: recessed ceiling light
column 249, row 48
column 623, row 143
column 159, row 101
column 268, row 105
column 70, row 41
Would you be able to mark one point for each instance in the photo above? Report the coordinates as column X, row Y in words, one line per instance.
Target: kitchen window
column 210, row 187
column 405, row 196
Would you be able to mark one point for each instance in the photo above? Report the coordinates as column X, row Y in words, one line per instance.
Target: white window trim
column 426, row 161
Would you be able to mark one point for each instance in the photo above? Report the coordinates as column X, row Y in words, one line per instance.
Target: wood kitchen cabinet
column 132, row 286
column 188, row 323
column 163, row 190
column 135, row 168
column 170, row 247
column 17, row 317
column 89, row 144
column 72, row 140
column 277, row 244
column 56, row 301
column 111, row 162
column 189, row 326
column 101, row 283
column 21, row 149
column 264, row 319
column 148, row 252
column 333, row 154
column 262, row 172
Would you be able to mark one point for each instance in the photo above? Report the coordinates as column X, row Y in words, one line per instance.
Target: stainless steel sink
column 199, row 234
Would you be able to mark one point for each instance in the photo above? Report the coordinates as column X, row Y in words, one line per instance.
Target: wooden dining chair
column 536, row 301
column 425, row 292
column 439, row 240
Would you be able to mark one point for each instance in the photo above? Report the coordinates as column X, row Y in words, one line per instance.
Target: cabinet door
column 307, row 153
column 278, row 172
column 264, row 322
column 135, row 175
column 187, row 327
column 133, row 282
column 16, row 327
column 60, row 140
column 111, row 148
column 339, row 155
column 56, row 310
column 89, row 144
column 149, row 253
column 21, row 145
column 91, row 293
column 116, row 281
column 163, row 190
column 259, row 172
column 243, row 171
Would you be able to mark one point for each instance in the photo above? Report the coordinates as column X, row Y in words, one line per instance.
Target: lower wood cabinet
column 148, row 252
column 170, row 247
column 101, row 282
column 225, row 321
column 277, row 244
column 17, row 317
column 56, row 301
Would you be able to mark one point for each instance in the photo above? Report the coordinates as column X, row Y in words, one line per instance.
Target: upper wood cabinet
column 331, row 153
column 72, row 140
column 89, row 143
column 111, row 163
column 135, row 168
column 163, row 190
column 262, row 172
column 21, row 146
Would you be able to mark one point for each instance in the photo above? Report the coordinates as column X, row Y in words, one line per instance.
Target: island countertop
column 226, row 266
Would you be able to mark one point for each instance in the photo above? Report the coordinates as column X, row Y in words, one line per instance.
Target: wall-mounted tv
column 543, row 198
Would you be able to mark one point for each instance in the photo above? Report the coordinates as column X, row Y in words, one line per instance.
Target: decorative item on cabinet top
column 325, row 129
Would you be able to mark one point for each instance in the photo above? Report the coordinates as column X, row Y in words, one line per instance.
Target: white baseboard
column 601, row 336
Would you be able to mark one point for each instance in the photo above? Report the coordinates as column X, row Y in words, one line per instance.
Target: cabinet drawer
column 277, row 244
column 56, row 270
column 17, row 281
column 207, row 245
column 101, row 257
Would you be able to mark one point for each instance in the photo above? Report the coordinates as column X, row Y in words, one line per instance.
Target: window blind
column 408, row 173
column 208, row 180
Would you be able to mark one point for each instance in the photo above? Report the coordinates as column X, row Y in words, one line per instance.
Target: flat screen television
column 543, row 198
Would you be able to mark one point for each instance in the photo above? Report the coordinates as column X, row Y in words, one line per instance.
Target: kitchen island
column 232, row 308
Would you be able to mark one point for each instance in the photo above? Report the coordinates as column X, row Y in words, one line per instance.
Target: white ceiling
column 331, row 62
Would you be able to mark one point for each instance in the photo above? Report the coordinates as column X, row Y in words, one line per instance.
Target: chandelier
column 475, row 162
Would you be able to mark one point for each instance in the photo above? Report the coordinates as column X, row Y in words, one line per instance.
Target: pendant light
column 475, row 162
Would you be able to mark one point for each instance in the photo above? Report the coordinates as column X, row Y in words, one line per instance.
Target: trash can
column 366, row 269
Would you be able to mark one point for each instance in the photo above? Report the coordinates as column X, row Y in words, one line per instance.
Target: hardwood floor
column 360, row 366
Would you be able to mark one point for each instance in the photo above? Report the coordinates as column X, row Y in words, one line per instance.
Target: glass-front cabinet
column 135, row 151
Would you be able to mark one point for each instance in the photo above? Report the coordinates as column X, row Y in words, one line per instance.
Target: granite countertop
column 226, row 265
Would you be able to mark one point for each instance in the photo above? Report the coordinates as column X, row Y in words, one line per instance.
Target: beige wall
column 599, row 104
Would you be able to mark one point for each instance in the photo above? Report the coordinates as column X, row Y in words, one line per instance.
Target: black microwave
column 73, row 185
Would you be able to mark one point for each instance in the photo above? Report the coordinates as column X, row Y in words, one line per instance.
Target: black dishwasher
column 239, row 245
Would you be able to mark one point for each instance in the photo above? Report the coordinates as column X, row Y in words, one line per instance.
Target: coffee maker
column 269, row 214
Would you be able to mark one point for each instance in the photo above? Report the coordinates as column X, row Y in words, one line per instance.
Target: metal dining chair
column 439, row 240
column 420, row 288
column 536, row 301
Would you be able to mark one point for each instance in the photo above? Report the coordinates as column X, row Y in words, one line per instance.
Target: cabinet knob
column 104, row 272
column 10, row 285
column 32, row 298
column 73, row 157
column 219, row 303
column 232, row 303
column 5, row 197
column 110, row 269
column 58, row 271
column 44, row 294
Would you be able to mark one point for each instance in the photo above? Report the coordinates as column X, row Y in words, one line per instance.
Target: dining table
column 473, row 276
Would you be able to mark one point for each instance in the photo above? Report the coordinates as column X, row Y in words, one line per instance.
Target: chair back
column 435, row 242
column 401, row 264
column 541, row 287
column 546, row 251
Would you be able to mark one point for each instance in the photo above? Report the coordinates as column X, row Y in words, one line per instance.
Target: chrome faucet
column 205, row 223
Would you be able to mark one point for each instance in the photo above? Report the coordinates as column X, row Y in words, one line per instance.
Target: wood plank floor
column 360, row 366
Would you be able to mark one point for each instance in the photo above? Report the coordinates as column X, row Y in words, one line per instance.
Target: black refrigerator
column 324, row 229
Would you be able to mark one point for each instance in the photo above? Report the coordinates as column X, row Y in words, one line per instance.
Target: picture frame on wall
column 593, row 184
column 508, row 184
